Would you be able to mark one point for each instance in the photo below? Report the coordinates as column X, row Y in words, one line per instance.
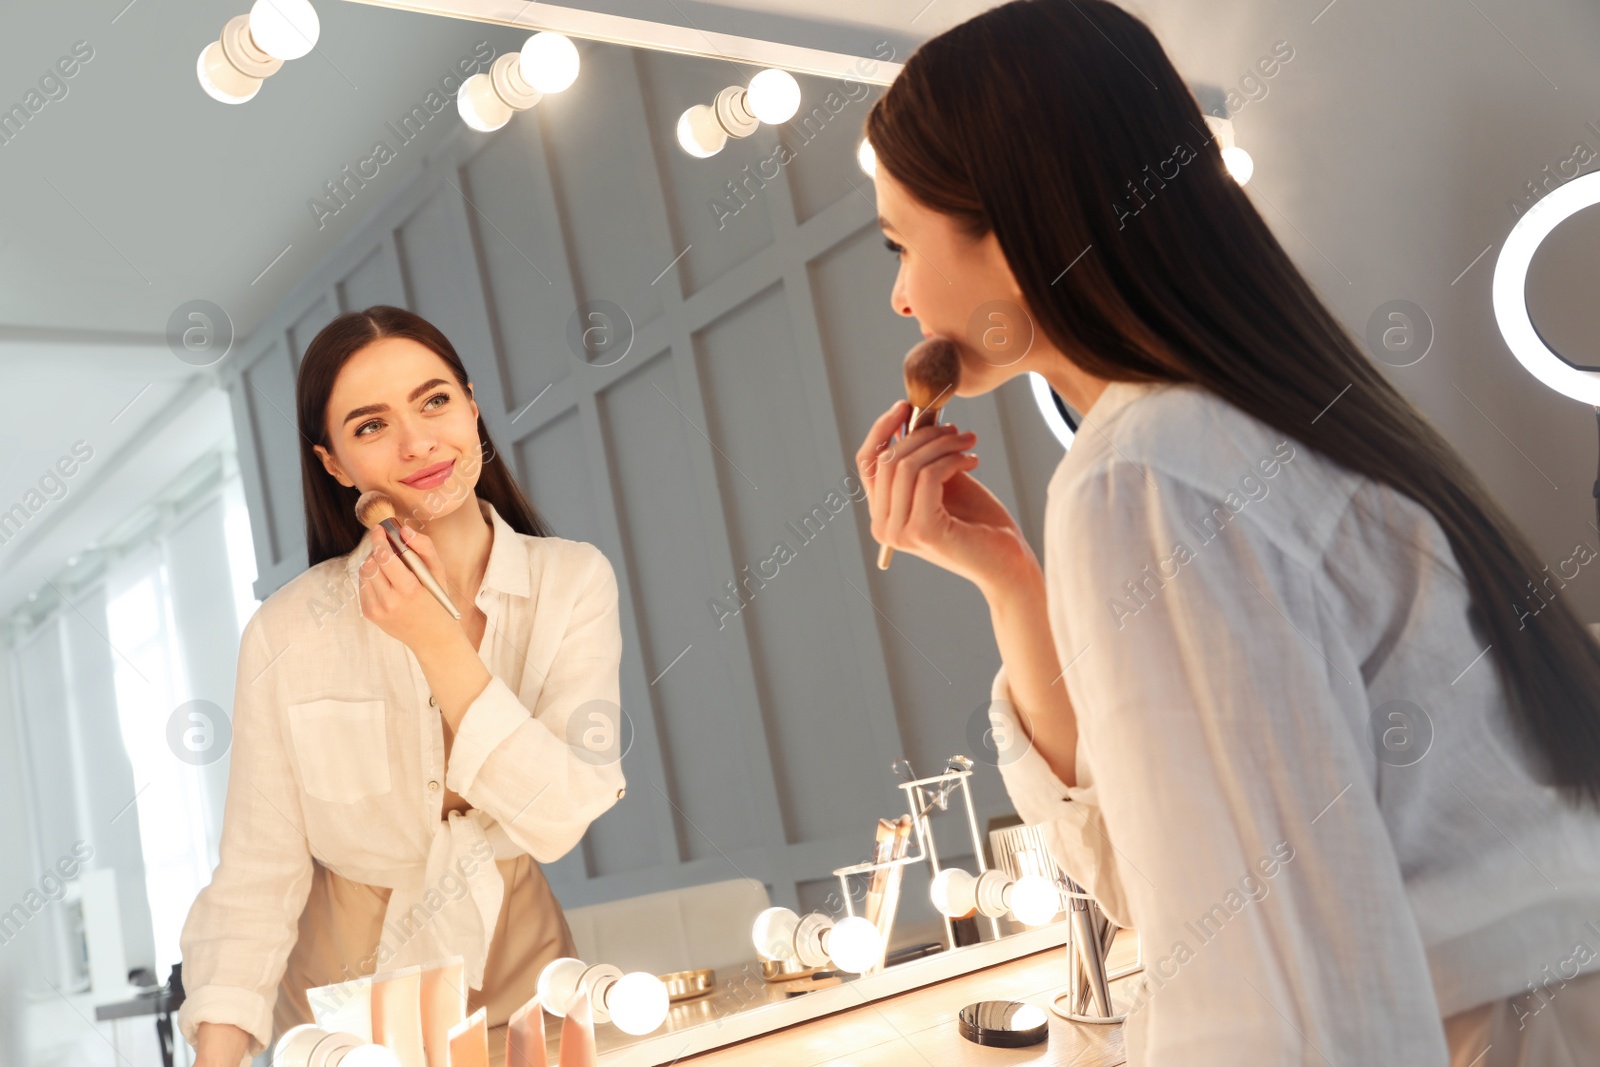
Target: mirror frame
column 658, row 36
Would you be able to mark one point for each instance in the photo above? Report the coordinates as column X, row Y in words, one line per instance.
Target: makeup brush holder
column 1022, row 850
column 923, row 795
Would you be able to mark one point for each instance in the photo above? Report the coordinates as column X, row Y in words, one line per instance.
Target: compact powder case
column 1004, row 1023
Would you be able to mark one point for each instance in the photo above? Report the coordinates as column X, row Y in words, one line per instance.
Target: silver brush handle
column 419, row 568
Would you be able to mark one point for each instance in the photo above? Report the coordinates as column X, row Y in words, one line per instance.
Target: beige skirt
column 1558, row 1026
column 342, row 921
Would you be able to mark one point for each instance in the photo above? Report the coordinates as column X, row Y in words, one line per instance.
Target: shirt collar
column 508, row 569
column 1116, row 396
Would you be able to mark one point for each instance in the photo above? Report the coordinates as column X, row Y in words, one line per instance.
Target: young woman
column 398, row 776
column 1279, row 690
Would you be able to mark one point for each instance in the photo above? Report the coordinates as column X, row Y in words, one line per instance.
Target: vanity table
column 919, row 1026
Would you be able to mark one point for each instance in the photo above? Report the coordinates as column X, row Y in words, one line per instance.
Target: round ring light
column 1056, row 415
column 1578, row 381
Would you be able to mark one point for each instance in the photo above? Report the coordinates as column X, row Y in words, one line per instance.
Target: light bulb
column 284, row 29
column 480, row 106
column 773, row 933
column 867, row 157
column 1034, row 900
column 699, row 133
column 549, row 61
column 854, row 944
column 637, row 1002
column 1239, row 164
column 773, row 96
column 558, row 982
column 954, row 892
column 222, row 80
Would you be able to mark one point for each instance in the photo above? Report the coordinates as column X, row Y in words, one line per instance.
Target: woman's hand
column 402, row 607
column 924, row 502
column 220, row 1045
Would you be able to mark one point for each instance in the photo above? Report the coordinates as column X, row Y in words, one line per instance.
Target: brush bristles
column 373, row 507
column 933, row 371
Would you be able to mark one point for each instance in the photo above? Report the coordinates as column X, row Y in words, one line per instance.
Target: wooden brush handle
column 920, row 417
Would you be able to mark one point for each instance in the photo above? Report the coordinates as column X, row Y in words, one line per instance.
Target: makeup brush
column 376, row 509
column 932, row 371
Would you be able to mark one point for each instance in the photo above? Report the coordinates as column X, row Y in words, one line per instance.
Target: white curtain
column 174, row 613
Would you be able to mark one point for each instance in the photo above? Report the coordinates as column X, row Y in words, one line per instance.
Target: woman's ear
column 331, row 465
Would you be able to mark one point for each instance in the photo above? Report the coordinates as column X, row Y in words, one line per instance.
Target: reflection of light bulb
column 480, row 106
column 773, row 96
column 1239, row 164
column 954, row 892
column 867, row 157
column 1034, row 900
column 1027, row 1017
column 637, row 1002
column 222, row 80
column 284, row 29
column 699, row 133
column 370, row 1056
column 854, row 944
column 549, row 61
column 773, row 933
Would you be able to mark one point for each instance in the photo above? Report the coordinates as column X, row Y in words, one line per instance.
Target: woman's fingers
column 879, row 438
column 373, row 588
column 907, row 483
column 386, row 574
column 880, row 491
column 927, row 498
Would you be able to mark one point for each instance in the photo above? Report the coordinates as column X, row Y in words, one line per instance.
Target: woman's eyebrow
column 885, row 224
column 373, row 409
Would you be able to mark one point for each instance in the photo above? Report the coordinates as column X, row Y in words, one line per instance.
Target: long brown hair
column 331, row 526
column 1044, row 122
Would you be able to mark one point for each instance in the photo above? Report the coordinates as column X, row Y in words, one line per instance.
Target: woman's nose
column 417, row 440
column 897, row 298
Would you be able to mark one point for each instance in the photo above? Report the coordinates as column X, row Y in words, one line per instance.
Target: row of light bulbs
column 854, row 945
column 253, row 47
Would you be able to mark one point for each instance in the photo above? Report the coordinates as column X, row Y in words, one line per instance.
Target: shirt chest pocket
column 342, row 747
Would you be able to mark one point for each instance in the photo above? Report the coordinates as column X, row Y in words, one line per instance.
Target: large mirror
column 676, row 354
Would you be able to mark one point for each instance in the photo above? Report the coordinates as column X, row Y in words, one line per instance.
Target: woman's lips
column 430, row 477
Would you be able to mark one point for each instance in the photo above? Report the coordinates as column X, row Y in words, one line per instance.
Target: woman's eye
column 379, row 422
column 892, row 246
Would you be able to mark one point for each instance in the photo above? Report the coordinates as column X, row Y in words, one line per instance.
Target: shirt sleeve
column 1259, row 873
column 1068, row 816
column 241, row 927
column 544, row 775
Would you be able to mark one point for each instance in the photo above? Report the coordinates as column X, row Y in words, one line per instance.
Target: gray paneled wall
column 719, row 449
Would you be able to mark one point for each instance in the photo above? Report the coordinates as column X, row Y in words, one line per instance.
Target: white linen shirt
column 338, row 756
column 1296, row 775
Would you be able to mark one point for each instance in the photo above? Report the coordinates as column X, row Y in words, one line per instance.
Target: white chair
column 675, row 930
